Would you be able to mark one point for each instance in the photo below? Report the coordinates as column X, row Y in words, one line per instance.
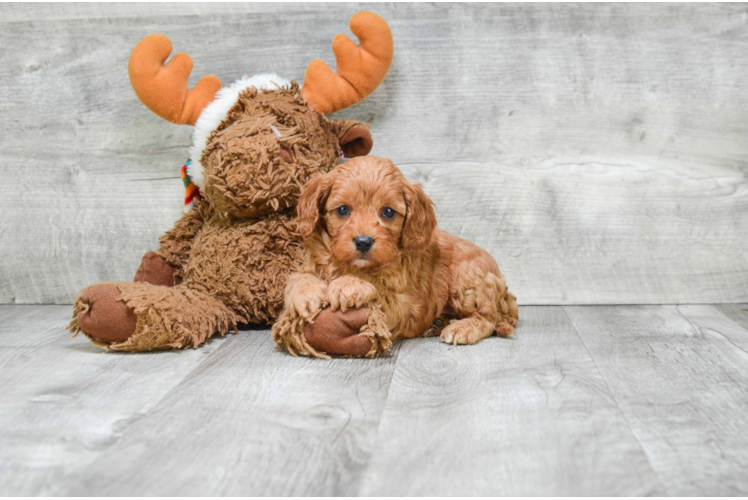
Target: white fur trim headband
column 215, row 112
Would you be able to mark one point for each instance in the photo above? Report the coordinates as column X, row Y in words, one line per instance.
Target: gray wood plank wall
column 598, row 151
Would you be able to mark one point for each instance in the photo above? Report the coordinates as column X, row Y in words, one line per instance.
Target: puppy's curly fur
column 417, row 276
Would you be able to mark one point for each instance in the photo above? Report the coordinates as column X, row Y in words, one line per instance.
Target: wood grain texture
column 529, row 416
column 597, row 151
column 16, row 12
column 607, row 400
column 26, row 329
column 30, row 326
column 536, row 239
column 251, row 421
column 736, row 312
column 711, row 320
column 681, row 382
column 64, row 401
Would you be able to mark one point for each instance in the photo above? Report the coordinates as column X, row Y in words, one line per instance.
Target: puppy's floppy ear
column 355, row 138
column 420, row 219
column 312, row 201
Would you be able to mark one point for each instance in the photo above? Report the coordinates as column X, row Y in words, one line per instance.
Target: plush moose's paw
column 349, row 292
column 155, row 270
column 336, row 332
column 102, row 316
column 357, row 332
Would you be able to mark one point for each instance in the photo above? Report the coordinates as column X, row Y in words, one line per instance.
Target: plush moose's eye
column 388, row 213
column 343, row 211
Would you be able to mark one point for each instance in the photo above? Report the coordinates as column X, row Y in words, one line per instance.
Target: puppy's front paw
column 349, row 292
column 306, row 304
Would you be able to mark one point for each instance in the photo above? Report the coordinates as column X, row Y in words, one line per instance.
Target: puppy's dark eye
column 388, row 213
column 343, row 211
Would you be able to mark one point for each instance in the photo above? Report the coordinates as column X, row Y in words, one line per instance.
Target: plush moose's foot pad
column 356, row 332
column 156, row 271
column 336, row 332
column 102, row 316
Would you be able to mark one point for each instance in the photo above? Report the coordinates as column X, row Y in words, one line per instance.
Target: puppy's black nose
column 363, row 243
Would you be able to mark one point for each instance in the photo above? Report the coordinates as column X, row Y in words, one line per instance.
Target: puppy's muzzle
column 363, row 243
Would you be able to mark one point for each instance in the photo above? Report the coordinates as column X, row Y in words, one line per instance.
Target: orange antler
column 163, row 89
column 360, row 68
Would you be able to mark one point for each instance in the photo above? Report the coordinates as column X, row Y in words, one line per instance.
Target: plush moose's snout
column 270, row 145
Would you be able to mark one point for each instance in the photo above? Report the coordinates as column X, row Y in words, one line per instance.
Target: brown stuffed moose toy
column 255, row 144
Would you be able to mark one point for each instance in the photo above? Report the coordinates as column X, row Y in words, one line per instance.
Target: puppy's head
column 370, row 211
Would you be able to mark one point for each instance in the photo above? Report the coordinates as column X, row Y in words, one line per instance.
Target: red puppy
column 371, row 242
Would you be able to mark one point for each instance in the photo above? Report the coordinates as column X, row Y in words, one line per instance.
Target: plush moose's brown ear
column 311, row 204
column 420, row 219
column 355, row 139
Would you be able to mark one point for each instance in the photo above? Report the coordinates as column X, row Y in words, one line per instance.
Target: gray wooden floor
column 587, row 400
